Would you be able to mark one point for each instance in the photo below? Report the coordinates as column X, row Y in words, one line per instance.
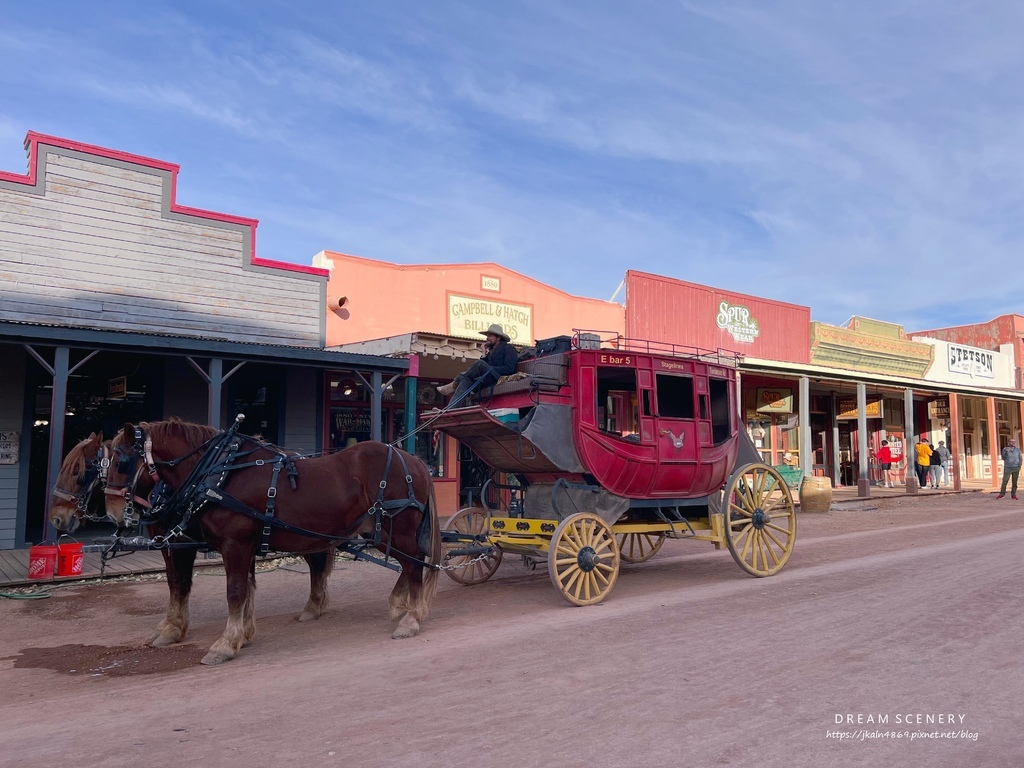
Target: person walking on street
column 1011, row 468
column 934, row 467
column 924, row 460
column 945, row 455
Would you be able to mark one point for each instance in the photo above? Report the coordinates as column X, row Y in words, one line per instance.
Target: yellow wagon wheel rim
column 760, row 519
column 471, row 521
column 583, row 561
column 639, row 547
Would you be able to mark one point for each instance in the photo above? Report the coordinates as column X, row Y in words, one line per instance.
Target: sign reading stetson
column 737, row 321
column 971, row 361
column 468, row 316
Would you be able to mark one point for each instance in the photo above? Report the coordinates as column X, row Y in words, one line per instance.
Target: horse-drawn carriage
column 613, row 446
column 606, row 448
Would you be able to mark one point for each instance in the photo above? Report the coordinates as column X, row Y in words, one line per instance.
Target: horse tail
column 429, row 587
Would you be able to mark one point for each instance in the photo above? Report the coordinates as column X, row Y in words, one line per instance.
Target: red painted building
column 664, row 309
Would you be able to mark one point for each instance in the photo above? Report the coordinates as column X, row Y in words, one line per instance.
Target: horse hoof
column 162, row 641
column 212, row 659
column 308, row 616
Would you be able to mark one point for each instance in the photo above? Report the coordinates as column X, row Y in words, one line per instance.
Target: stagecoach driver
column 499, row 359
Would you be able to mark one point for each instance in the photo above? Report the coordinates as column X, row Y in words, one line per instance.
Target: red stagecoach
column 608, row 446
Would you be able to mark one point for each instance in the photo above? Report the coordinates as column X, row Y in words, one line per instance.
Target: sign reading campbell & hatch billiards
column 468, row 316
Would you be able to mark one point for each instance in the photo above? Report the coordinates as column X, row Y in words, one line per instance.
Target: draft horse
column 91, row 485
column 242, row 496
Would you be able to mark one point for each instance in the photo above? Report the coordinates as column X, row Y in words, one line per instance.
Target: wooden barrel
column 815, row 494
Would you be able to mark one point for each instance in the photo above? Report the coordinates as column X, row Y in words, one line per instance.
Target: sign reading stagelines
column 469, row 316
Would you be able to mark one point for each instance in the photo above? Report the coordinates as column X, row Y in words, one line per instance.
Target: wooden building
column 118, row 304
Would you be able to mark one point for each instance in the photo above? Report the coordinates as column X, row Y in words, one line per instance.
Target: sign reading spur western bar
column 736, row 320
column 468, row 316
column 971, row 361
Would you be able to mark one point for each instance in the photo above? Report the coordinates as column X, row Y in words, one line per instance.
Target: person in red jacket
column 884, row 458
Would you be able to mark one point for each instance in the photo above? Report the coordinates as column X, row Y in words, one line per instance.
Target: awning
column 773, row 367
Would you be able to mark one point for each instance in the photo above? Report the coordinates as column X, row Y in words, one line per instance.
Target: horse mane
column 193, row 434
column 72, row 469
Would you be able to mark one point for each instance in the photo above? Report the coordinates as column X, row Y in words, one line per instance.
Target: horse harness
column 179, row 509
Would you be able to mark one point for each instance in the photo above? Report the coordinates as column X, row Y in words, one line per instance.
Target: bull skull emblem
column 677, row 442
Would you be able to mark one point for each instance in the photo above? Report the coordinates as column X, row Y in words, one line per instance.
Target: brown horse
column 332, row 496
column 91, row 484
column 79, row 480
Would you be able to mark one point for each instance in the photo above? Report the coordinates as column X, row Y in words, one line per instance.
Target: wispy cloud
column 860, row 158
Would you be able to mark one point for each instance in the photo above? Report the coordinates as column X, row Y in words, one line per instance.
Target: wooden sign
column 774, row 400
column 938, row 409
column 117, row 388
column 847, row 408
column 9, row 445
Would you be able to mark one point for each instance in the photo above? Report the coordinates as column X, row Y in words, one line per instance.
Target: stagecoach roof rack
column 592, row 339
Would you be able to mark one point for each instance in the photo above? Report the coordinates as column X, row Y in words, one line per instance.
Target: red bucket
column 42, row 561
column 69, row 558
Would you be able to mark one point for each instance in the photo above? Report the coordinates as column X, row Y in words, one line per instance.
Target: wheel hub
column 760, row 518
column 588, row 559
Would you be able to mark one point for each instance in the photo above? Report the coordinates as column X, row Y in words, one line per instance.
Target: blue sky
column 860, row 158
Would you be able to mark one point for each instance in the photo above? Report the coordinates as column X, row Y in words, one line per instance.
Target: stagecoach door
column 676, row 431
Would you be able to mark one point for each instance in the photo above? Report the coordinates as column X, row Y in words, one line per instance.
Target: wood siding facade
column 99, row 242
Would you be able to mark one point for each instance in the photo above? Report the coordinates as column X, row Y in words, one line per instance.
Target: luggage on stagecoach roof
column 554, row 345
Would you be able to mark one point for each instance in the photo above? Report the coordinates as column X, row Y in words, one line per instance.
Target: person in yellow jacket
column 924, row 460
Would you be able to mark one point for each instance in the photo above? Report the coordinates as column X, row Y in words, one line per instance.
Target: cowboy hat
column 496, row 330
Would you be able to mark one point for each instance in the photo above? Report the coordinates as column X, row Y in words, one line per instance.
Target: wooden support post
column 806, row 449
column 863, row 477
column 993, row 441
column 410, row 413
column 909, row 453
column 956, row 437
column 58, row 407
column 376, row 393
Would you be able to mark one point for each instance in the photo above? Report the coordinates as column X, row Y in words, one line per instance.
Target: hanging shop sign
column 737, row 322
column 971, row 361
column 9, row 442
column 938, row 409
column 117, row 387
column 774, row 400
column 468, row 316
column 847, row 408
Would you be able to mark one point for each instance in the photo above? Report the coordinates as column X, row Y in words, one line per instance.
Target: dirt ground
column 902, row 609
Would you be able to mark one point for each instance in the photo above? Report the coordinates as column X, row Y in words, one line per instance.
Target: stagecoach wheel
column 472, row 521
column 583, row 561
column 639, row 547
column 760, row 521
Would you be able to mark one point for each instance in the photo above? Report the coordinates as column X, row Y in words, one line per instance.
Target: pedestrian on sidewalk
column 934, row 467
column 1011, row 468
column 944, row 453
column 924, row 460
column 884, row 457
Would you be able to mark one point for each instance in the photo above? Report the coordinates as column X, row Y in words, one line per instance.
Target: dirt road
column 901, row 620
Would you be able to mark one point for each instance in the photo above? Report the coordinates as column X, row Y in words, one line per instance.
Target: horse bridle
column 95, row 473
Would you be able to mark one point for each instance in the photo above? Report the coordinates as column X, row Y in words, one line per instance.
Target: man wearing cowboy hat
column 499, row 359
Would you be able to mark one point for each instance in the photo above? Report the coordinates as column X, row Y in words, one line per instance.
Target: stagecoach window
column 675, row 397
column 616, row 400
column 720, row 431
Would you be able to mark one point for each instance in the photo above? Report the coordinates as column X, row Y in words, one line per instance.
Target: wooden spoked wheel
column 639, row 547
column 583, row 562
column 760, row 521
column 473, row 521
